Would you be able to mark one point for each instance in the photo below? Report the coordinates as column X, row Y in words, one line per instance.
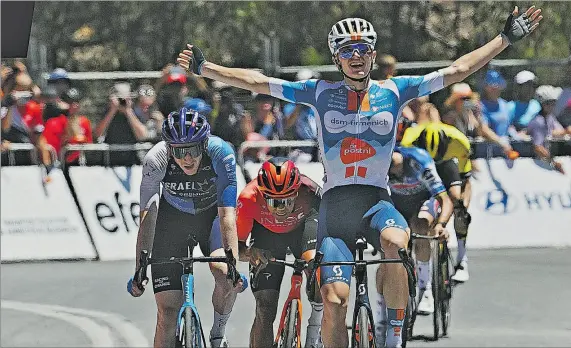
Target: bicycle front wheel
column 290, row 337
column 445, row 266
column 365, row 335
column 436, row 290
column 190, row 331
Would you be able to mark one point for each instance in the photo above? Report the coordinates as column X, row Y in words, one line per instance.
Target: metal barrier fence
column 480, row 149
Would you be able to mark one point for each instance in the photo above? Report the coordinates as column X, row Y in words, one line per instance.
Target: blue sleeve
column 425, row 169
column 411, row 87
column 300, row 92
column 224, row 164
column 288, row 109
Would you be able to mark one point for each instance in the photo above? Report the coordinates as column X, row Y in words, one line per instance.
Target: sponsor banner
column 520, row 204
column 40, row 220
column 109, row 200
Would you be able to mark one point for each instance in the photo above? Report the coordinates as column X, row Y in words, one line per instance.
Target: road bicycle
column 442, row 272
column 189, row 333
column 363, row 327
column 289, row 330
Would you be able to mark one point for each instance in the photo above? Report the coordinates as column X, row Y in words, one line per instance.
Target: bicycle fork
column 294, row 295
column 362, row 300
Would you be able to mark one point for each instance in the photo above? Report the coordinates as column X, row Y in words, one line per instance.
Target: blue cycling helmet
column 185, row 126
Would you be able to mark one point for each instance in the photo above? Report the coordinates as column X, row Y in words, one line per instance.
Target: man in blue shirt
column 495, row 110
column 523, row 108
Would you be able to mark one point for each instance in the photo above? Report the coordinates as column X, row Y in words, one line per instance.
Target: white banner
column 40, row 220
column 109, row 199
column 524, row 204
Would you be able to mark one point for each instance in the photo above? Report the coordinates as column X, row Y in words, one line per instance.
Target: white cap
column 547, row 93
column 524, row 76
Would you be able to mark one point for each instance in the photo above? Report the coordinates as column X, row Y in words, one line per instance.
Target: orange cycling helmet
column 279, row 178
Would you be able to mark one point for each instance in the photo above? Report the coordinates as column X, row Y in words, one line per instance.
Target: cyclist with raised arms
column 420, row 196
column 197, row 172
column 356, row 120
column 277, row 210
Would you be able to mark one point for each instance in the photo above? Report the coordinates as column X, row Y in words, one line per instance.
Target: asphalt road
column 515, row 298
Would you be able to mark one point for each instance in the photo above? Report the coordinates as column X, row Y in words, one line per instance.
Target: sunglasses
column 194, row 151
column 347, row 52
column 280, row 204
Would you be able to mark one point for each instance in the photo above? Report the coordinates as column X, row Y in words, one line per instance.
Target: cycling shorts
column 345, row 213
column 410, row 205
column 299, row 240
column 448, row 172
column 171, row 233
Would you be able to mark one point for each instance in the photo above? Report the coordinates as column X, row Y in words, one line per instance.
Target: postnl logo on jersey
column 354, row 150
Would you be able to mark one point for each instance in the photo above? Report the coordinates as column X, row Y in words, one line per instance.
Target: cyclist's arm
column 224, row 164
column 244, row 225
column 154, row 167
column 466, row 191
column 473, row 61
column 446, row 206
column 293, row 92
column 250, row 80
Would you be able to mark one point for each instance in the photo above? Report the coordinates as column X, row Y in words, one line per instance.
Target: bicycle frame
column 187, row 279
column 362, row 297
column 294, row 295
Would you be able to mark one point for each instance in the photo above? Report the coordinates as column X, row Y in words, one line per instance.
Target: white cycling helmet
column 547, row 93
column 351, row 29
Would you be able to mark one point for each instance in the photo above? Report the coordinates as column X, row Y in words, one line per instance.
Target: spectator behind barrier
column 564, row 98
column 387, row 66
column 463, row 109
column 420, row 110
column 523, row 108
column 172, row 89
column 120, row 125
column 267, row 117
column 230, row 118
column 69, row 127
column 148, row 113
column 21, row 115
column 546, row 125
column 495, row 110
column 300, row 123
column 59, row 79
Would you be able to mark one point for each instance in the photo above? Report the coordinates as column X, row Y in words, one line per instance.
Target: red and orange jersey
column 252, row 208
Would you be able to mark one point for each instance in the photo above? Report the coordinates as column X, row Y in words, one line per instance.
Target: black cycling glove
column 518, row 28
column 197, row 60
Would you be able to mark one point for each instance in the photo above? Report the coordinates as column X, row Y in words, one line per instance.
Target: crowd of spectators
column 51, row 118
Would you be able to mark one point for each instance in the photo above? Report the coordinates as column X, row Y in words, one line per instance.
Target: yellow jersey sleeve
column 459, row 147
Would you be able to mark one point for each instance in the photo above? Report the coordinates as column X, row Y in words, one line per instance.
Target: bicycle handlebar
column 144, row 261
column 298, row 265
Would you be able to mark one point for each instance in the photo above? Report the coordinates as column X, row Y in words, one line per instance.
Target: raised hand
column 516, row 28
column 191, row 59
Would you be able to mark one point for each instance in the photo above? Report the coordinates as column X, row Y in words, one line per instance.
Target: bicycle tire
column 289, row 335
column 436, row 279
column 189, row 337
column 407, row 326
column 446, row 290
column 364, row 328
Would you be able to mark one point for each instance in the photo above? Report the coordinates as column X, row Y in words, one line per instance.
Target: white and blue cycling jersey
column 419, row 174
column 356, row 130
column 214, row 182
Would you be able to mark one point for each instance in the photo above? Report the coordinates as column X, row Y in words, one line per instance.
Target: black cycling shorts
column 448, row 172
column 409, row 205
column 171, row 233
column 299, row 240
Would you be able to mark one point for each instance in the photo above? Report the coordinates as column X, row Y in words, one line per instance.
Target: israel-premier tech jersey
column 356, row 130
column 213, row 184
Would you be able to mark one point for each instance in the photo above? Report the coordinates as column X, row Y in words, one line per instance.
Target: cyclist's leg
column 461, row 228
column 394, row 235
column 267, row 290
column 169, row 240
column 223, row 296
column 303, row 246
column 336, row 233
column 422, row 224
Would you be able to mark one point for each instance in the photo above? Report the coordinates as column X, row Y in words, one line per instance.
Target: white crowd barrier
column 40, row 220
column 522, row 204
column 109, row 200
